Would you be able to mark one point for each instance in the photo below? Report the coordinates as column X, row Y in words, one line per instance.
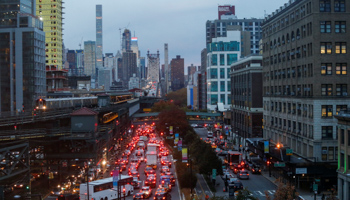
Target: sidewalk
column 302, row 193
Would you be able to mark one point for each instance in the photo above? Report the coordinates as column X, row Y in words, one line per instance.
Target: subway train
column 104, row 100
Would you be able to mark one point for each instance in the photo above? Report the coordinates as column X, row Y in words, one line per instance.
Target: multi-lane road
column 256, row 183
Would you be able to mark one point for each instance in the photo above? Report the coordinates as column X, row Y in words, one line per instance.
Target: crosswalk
column 262, row 193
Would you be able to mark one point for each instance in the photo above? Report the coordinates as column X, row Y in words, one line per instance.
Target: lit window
column 340, row 47
column 326, row 68
column 341, row 68
column 326, row 47
column 327, row 111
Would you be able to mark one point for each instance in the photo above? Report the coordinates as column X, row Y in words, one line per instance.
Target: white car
column 210, row 134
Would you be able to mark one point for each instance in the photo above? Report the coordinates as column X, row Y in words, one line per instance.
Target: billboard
column 222, row 10
column 184, row 154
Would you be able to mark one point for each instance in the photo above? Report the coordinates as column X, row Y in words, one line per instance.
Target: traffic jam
column 147, row 161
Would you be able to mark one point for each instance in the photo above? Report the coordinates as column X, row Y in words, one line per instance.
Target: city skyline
column 187, row 41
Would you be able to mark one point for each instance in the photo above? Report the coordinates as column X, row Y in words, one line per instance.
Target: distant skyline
column 179, row 23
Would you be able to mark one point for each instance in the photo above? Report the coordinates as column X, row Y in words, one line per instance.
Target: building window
column 348, row 137
column 222, row 98
column 327, row 110
column 327, row 132
column 222, row 86
column 326, row 47
column 214, row 86
column 229, row 86
column 228, row 72
column 342, row 136
column 341, row 90
column 340, row 47
column 340, row 27
column 341, row 108
column 341, row 159
column 339, row 6
column 326, row 68
column 213, row 73
column 214, row 99
column 326, row 90
column 222, row 59
column 325, row 26
column 214, row 59
column 325, row 6
column 231, row 58
column 222, row 72
column 341, row 68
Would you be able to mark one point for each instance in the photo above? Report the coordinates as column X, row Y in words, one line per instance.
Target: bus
column 103, row 188
column 233, row 157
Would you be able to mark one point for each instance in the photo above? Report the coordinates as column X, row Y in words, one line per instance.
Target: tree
column 178, row 97
column 162, row 105
column 284, row 191
column 245, row 194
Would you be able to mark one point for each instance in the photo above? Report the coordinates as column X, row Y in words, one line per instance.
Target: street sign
column 289, row 152
column 214, row 174
column 300, row 170
column 315, row 187
column 282, row 164
column 184, row 154
column 266, row 147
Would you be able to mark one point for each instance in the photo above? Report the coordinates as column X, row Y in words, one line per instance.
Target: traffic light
column 15, row 127
column 268, row 162
column 27, row 187
column 123, row 190
column 161, row 133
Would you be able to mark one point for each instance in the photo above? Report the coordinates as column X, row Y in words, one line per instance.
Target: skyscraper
column 99, row 36
column 129, row 67
column 22, row 50
column 177, row 73
column 126, row 40
column 50, row 12
column 90, row 58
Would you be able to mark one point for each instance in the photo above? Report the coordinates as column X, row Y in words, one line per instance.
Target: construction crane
column 81, row 42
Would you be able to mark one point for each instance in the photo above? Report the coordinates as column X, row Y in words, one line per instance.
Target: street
column 256, row 183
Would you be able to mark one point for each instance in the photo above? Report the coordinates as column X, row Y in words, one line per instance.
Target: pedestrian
column 323, row 196
column 206, row 197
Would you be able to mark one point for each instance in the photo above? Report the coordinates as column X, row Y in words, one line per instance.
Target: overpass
column 192, row 117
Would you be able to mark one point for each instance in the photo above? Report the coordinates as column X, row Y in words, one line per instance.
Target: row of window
column 294, row 127
column 339, row 6
column 326, row 47
column 327, row 90
column 339, row 26
column 342, row 137
column 305, row 90
column 230, row 58
column 214, row 99
column 295, row 53
column 213, row 73
column 299, row 71
column 340, row 68
column 213, row 87
column 293, row 16
column 306, row 30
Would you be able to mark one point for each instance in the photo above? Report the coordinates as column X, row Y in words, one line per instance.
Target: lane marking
column 207, row 185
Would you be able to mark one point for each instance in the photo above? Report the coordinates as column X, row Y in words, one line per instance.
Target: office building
column 50, row 12
column 134, row 82
column 143, row 67
column 126, row 40
column 22, row 50
column 305, row 79
column 71, row 59
column 218, row 28
column 177, row 73
column 129, row 67
column 99, row 37
column 221, row 53
column 90, row 58
column 105, row 78
column 343, row 132
column 202, row 81
column 246, row 95
column 80, row 62
column 153, row 65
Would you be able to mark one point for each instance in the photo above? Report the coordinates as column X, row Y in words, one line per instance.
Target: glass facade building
column 22, row 56
column 99, row 45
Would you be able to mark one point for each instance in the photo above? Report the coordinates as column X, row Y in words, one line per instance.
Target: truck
column 151, row 157
column 152, row 147
column 143, row 138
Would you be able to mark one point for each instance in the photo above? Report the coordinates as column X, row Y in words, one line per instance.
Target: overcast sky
column 180, row 23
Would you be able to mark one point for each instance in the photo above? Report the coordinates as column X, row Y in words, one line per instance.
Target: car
column 227, row 175
column 256, row 169
column 136, row 183
column 243, row 174
column 147, row 169
column 56, row 191
column 134, row 173
column 237, row 168
column 236, row 185
column 162, row 196
column 210, row 135
column 139, row 195
column 18, row 185
column 171, row 176
column 151, row 181
column 165, row 169
column 146, row 190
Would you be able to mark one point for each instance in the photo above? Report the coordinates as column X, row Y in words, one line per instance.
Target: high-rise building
column 246, row 92
column 105, row 78
column 80, row 62
column 50, row 12
column 305, row 78
column 90, row 58
column 166, row 68
column 22, row 50
column 126, row 40
column 134, row 82
column 134, row 46
column 221, row 53
column 129, row 66
column 119, row 70
column 190, row 72
column 71, row 59
column 153, row 67
column 219, row 28
column 143, row 67
column 202, row 81
column 99, row 36
column 177, row 73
